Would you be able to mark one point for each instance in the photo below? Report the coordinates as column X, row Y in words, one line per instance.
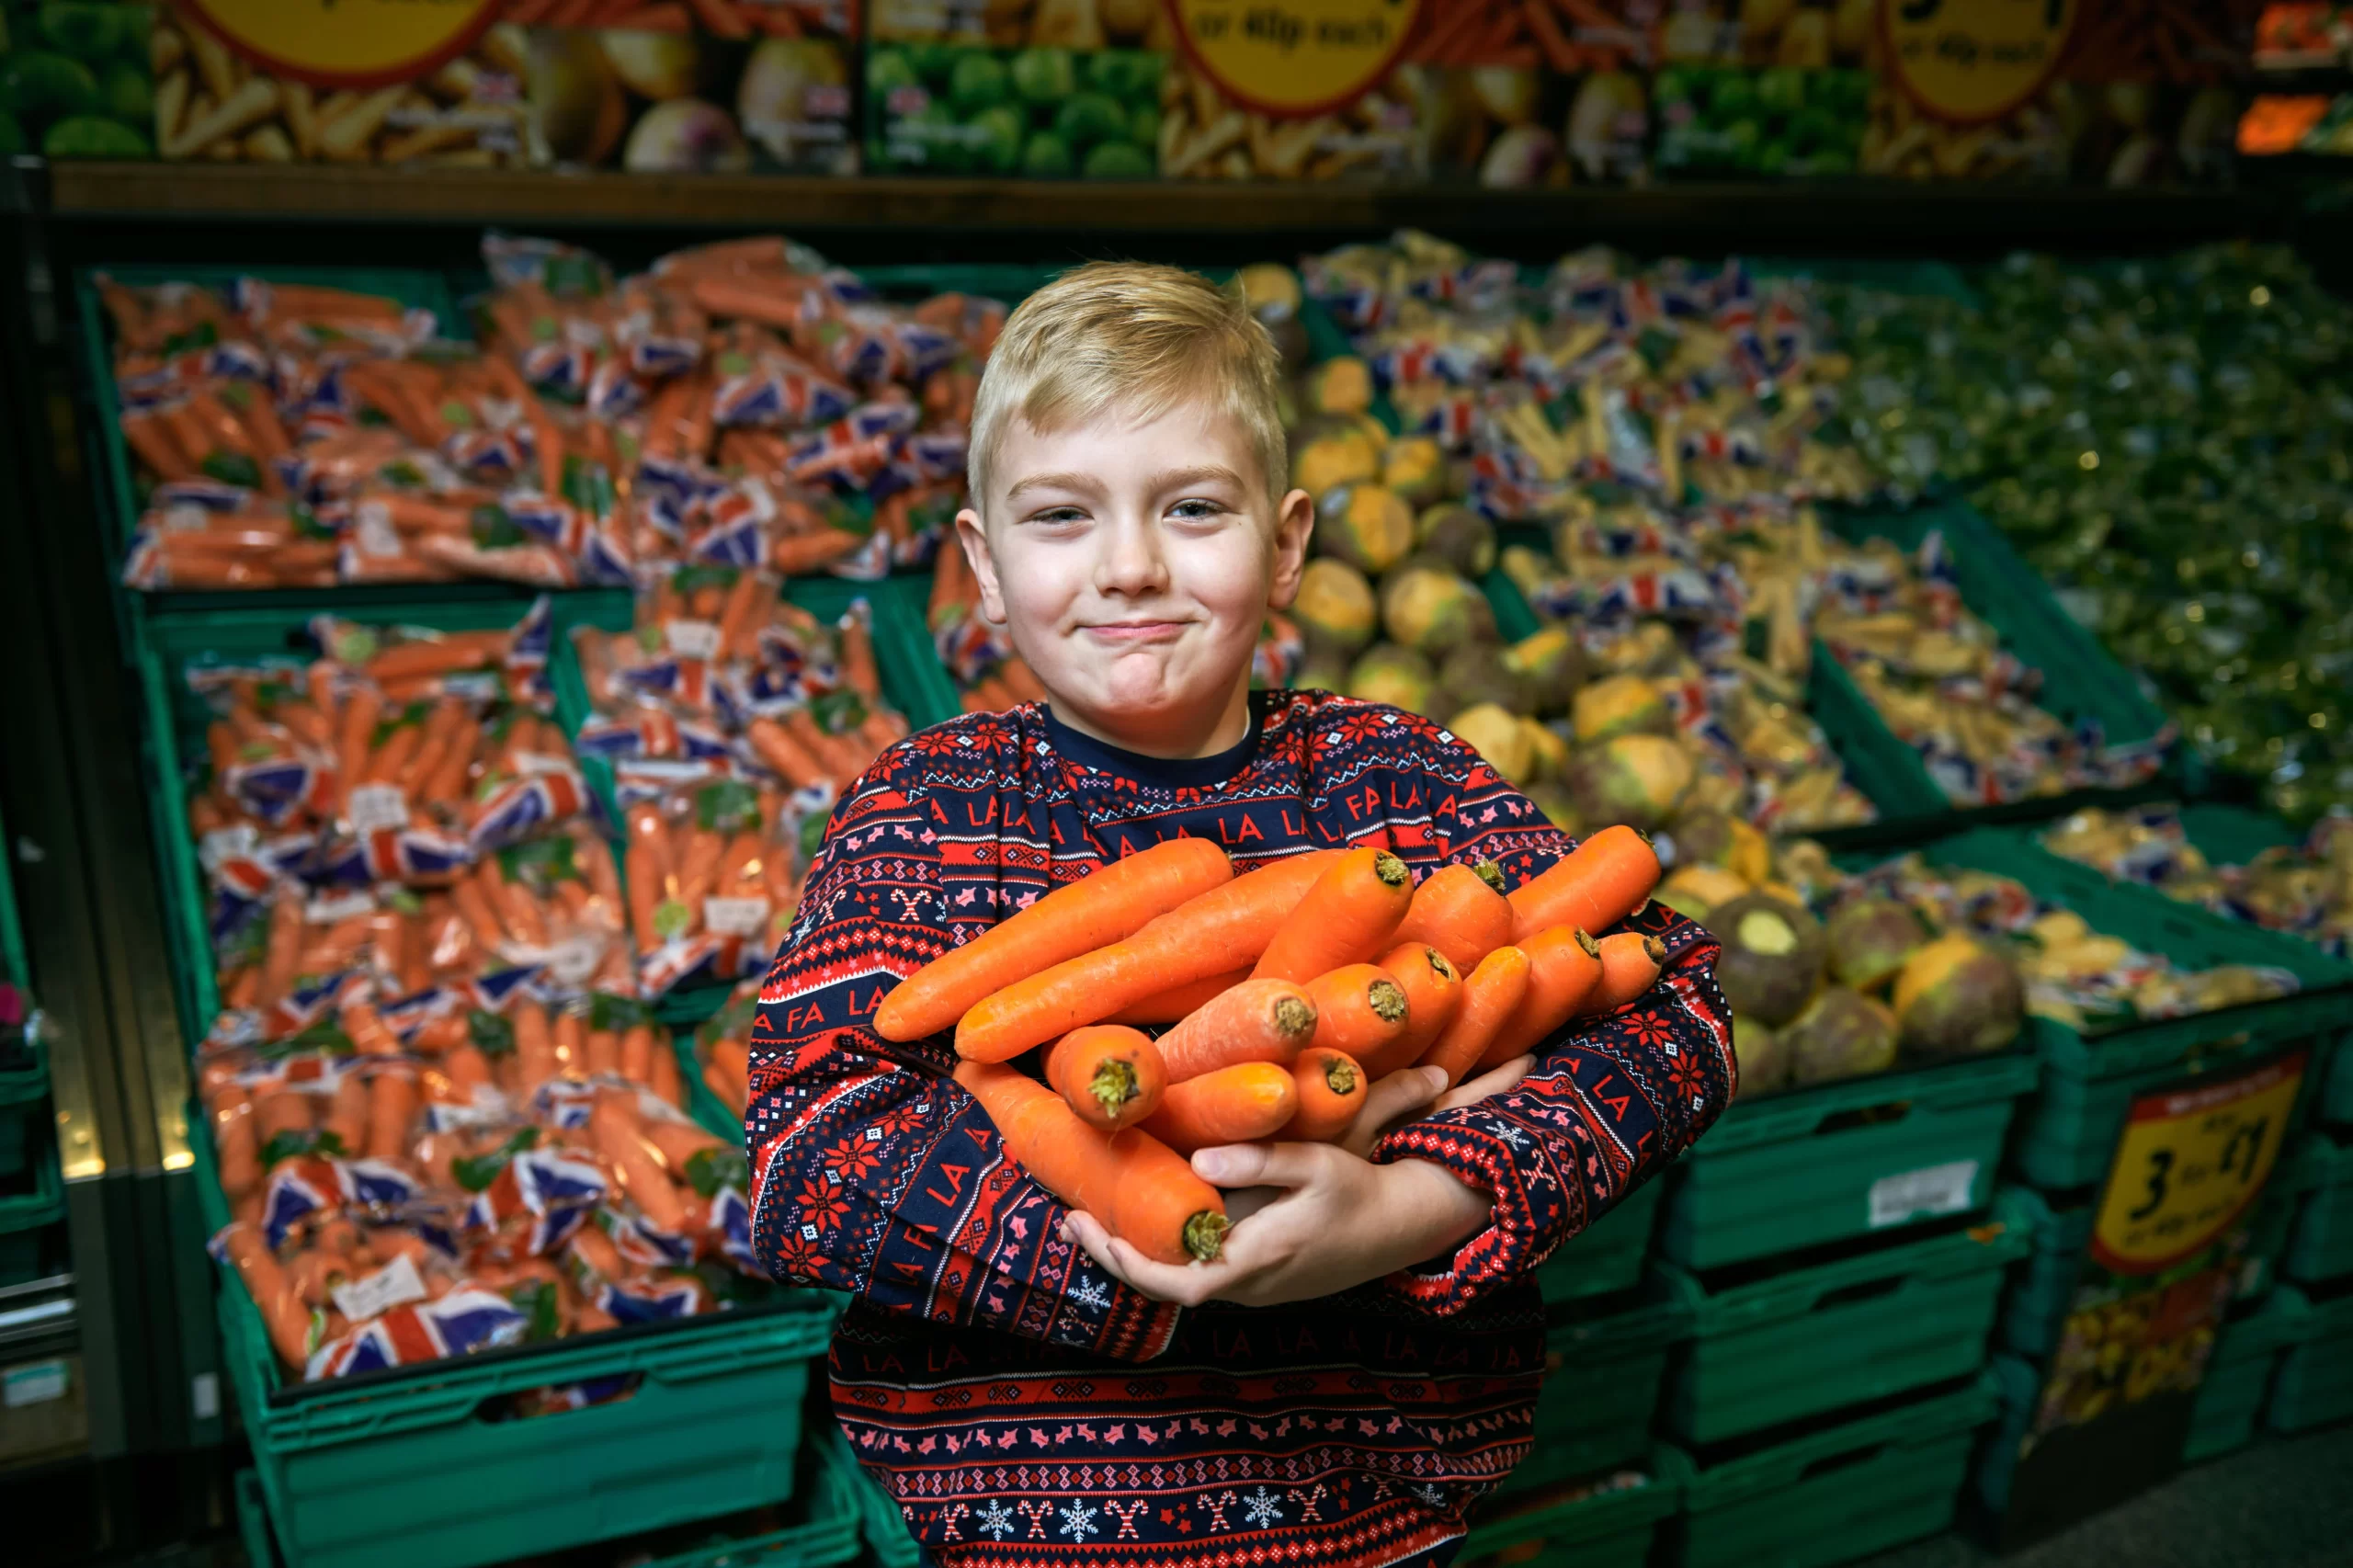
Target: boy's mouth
column 1128, row 634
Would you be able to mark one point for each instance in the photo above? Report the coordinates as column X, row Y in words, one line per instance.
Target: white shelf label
column 1922, row 1194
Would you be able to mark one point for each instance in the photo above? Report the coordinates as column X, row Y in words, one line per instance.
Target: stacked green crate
column 1604, row 1364
column 1606, row 1256
column 1608, row 1523
column 2319, row 1247
column 2238, row 1375
column 33, row 1197
column 2314, row 1384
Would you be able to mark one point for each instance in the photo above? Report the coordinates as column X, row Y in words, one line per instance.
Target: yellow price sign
column 348, row 43
column 2190, row 1164
column 1971, row 61
column 1294, row 57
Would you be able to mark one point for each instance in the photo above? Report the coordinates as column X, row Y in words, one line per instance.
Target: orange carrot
column 1462, row 912
column 621, row 1140
column 1232, row 1104
column 1600, row 883
column 786, row 756
column 1178, row 1001
column 1347, row 917
column 1490, row 995
column 1141, row 1190
column 1259, row 1020
column 637, row 1054
column 1630, row 966
column 392, row 1102
column 1331, row 1091
column 1432, row 989
column 662, row 1076
column 1563, row 966
column 858, row 659
column 281, row 1311
column 1111, row 1075
column 235, row 1153
column 1107, row 906
column 1359, row 1011
column 348, row 1114
column 1208, row 934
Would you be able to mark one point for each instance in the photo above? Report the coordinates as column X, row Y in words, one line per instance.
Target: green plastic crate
column 2080, row 680
column 2321, row 1245
column 118, row 496
column 176, row 717
column 880, row 1522
column 1997, row 1458
column 1602, row 1375
column 2068, row 1132
column 2334, row 1104
column 2314, row 1384
column 2238, row 1375
column 27, row 1218
column 1608, row 1529
column 1805, row 1341
column 1838, row 1494
column 1606, row 1256
column 1843, row 1160
column 24, row 1100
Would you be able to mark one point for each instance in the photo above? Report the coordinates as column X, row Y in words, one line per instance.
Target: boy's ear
column 976, row 554
column 1294, row 523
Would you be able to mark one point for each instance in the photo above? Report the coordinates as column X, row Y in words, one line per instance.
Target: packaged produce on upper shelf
column 75, row 79
column 2163, row 441
column 742, row 404
column 1042, row 113
column 2304, row 890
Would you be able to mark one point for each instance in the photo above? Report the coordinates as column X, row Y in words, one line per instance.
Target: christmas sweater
column 1021, row 1405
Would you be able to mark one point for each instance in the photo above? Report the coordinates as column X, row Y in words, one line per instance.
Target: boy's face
column 1133, row 565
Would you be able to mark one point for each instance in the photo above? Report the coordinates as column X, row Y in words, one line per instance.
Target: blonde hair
column 1135, row 336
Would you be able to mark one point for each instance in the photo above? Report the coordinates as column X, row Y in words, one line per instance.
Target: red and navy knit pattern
column 1022, row 1407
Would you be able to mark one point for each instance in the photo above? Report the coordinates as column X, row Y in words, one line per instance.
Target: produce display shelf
column 2314, row 1384
column 2322, row 1246
column 176, row 717
column 1839, row 1492
column 1604, row 1530
column 117, row 492
column 1606, row 1256
column 1830, row 1163
column 1602, row 1374
column 1801, row 1341
column 2238, row 1375
column 2069, row 1130
column 2080, row 681
column 356, row 1471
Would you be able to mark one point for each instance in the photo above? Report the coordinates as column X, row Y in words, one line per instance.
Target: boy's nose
column 1130, row 562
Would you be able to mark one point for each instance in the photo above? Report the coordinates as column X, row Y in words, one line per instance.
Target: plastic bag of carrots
column 714, row 868
column 1285, row 994
column 723, row 1048
column 520, row 1174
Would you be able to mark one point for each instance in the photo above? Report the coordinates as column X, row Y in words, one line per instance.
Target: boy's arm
column 872, row 1171
column 1610, row 1102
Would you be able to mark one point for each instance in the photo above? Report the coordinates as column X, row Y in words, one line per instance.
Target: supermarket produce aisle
column 2283, row 1503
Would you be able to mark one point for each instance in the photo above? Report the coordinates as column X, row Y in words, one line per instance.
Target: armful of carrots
column 1297, row 996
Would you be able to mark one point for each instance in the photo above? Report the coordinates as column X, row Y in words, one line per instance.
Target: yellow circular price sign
column 348, row 43
column 1294, row 57
column 1971, row 61
column 2190, row 1164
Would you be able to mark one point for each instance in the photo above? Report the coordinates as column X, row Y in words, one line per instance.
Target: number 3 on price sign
column 2190, row 1163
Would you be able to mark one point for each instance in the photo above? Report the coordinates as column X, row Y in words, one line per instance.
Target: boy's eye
column 1198, row 508
column 1058, row 515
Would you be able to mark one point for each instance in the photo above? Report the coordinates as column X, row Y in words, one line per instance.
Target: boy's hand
column 1312, row 1219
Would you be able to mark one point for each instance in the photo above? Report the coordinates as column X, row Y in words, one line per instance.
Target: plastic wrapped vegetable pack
column 2305, row 891
column 732, row 720
column 2165, row 441
column 487, row 1178
column 1677, row 382
column 763, row 407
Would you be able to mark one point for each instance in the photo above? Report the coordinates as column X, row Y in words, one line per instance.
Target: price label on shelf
column 1294, row 58
column 1973, row 61
column 2190, row 1162
column 345, row 43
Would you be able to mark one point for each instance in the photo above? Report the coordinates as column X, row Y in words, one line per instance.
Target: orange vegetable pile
column 743, row 400
column 1288, row 993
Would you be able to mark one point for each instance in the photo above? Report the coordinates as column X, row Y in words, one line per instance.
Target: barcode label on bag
column 393, row 1285
column 379, row 808
column 1923, row 1194
column 734, row 917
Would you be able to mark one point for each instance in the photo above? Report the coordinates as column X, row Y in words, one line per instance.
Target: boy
column 1360, row 1365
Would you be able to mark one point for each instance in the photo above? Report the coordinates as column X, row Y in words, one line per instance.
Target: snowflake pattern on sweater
column 1023, row 1408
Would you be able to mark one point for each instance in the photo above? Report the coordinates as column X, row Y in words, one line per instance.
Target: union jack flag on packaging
column 315, row 1183
column 555, row 1191
column 460, row 1324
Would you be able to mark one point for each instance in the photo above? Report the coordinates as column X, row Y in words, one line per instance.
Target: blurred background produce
column 75, row 79
column 690, row 102
column 1043, row 112
column 1777, row 123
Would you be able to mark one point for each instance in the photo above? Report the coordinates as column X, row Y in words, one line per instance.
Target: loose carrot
column 677, row 1142
column 1600, row 883
column 1432, row 989
column 1331, row 1091
column 1111, row 1075
column 1563, row 966
column 858, row 659
column 1462, row 912
column 1347, row 917
column 392, row 1103
column 1232, row 1104
column 1178, row 1001
column 1106, row 906
column 1141, row 1190
column 1359, row 1011
column 637, row 1054
column 534, row 1060
column 1259, row 1020
column 1630, row 966
column 1490, row 995
column 662, row 1076
column 235, row 1151
column 282, row 954
column 1208, row 934
column 786, row 756
column 621, row 1140
column 282, row 1313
